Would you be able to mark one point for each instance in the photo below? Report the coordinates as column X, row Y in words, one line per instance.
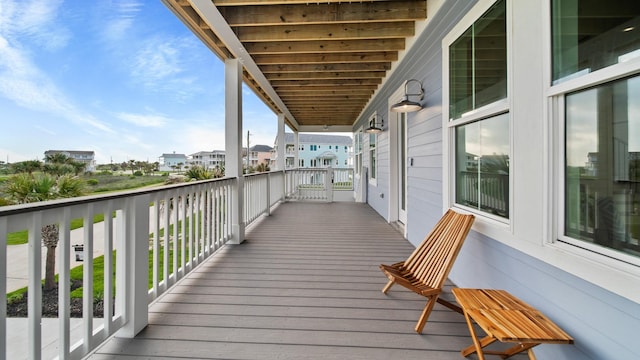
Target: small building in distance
column 208, row 159
column 260, row 154
column 319, row 151
column 172, row 162
column 86, row 157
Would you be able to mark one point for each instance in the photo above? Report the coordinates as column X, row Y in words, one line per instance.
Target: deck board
column 305, row 285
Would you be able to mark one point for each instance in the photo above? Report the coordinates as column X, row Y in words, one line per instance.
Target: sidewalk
column 18, row 259
column 18, row 333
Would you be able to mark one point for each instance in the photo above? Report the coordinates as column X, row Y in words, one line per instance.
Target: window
column 602, row 166
column 373, row 160
column 358, row 151
column 477, row 61
column 598, row 117
column 588, row 36
column 482, row 165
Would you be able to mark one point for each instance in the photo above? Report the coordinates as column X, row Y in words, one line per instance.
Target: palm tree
column 24, row 188
column 29, row 166
column 132, row 166
column 197, row 172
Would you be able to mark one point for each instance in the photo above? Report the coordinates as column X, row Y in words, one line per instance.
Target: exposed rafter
column 323, row 60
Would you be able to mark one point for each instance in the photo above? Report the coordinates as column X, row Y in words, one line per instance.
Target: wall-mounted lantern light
column 406, row 105
column 375, row 128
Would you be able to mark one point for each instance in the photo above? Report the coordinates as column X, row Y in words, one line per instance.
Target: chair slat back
column 433, row 259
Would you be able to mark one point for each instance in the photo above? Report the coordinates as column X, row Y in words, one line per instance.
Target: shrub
column 92, row 182
column 138, row 173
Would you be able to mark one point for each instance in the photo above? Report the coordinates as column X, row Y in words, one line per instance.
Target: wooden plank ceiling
column 324, row 59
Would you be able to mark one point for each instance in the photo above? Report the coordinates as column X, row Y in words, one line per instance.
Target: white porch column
column 282, row 147
column 233, row 143
column 296, row 146
column 136, row 267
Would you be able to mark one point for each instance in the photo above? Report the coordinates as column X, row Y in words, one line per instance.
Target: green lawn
column 98, row 276
column 22, row 237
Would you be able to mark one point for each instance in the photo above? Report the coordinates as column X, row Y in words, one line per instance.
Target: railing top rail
column 60, row 203
column 263, row 173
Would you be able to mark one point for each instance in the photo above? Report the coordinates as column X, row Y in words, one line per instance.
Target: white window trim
column 356, row 152
column 373, row 178
column 601, row 254
column 490, row 225
column 595, row 267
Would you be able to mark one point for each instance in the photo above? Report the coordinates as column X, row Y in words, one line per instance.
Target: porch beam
column 337, row 31
column 325, row 46
column 339, row 58
column 274, row 2
column 334, row 82
column 343, row 12
column 326, row 75
column 324, row 67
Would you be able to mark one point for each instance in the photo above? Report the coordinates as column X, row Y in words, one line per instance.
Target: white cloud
column 21, row 81
column 35, row 21
column 144, row 120
column 162, row 65
column 120, row 19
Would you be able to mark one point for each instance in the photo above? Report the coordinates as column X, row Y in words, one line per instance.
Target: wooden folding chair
column 426, row 270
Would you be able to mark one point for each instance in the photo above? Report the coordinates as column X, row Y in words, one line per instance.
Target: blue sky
column 123, row 78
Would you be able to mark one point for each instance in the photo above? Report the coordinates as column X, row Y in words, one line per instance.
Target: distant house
column 86, row 157
column 319, row 151
column 260, row 154
column 173, row 161
column 208, row 159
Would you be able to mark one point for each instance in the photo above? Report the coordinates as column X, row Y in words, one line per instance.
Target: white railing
column 188, row 222
column 318, row 184
column 307, row 184
column 261, row 192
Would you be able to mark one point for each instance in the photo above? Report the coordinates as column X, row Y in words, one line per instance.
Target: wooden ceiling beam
column 322, row 13
column 279, row 2
column 337, row 82
column 385, row 57
column 325, row 31
column 298, row 68
column 290, row 89
column 325, row 46
column 326, row 75
column 316, row 93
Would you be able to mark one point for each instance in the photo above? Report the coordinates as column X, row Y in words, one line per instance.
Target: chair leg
column 389, row 285
column 425, row 313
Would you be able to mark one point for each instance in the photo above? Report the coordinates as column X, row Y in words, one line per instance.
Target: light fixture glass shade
column 373, row 130
column 406, row 105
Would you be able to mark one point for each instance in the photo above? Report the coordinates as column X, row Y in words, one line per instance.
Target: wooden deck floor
column 305, row 285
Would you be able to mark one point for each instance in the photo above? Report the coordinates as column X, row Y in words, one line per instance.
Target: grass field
column 96, row 184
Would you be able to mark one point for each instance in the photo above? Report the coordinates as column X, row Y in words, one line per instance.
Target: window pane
column 478, row 63
column 602, row 175
column 591, row 35
column 482, row 165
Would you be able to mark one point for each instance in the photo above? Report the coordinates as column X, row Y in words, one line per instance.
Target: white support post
column 3, row 286
column 329, row 184
column 34, row 303
column 296, row 150
column 282, row 147
column 233, row 144
column 136, row 255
